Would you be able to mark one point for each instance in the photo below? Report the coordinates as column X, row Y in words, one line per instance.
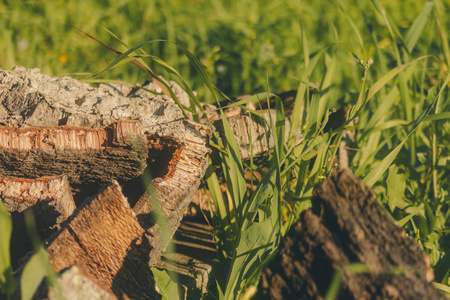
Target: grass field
column 388, row 60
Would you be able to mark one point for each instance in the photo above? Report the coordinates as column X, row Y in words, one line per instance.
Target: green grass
column 388, row 60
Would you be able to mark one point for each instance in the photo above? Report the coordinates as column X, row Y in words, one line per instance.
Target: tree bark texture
column 104, row 236
column 84, row 155
column 347, row 226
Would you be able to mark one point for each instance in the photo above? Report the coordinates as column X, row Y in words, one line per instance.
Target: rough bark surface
column 105, row 237
column 28, row 98
column 175, row 190
column 346, row 226
column 85, row 155
column 252, row 130
column 48, row 198
column 191, row 257
column 73, row 284
column 20, row 194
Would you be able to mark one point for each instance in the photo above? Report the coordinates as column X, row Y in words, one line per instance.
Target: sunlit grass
column 387, row 60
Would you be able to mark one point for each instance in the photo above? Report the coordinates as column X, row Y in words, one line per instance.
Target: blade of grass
column 417, row 27
column 137, row 63
column 380, row 83
column 376, row 173
column 352, row 24
column 299, row 99
column 33, row 273
column 232, row 164
column 251, row 99
column 440, row 12
column 255, row 244
column 7, row 282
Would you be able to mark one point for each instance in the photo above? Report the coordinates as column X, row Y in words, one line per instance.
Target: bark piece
column 345, row 226
column 85, row 155
column 28, row 98
column 106, row 239
column 174, row 191
column 19, row 194
column 178, row 147
column 253, row 131
column 75, row 285
column 191, row 256
column 48, row 198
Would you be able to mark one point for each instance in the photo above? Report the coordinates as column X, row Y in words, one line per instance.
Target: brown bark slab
column 346, row 226
column 105, row 237
column 19, row 194
column 174, row 191
column 84, row 155
column 48, row 198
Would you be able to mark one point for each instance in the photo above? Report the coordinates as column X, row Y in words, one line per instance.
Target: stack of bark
column 98, row 167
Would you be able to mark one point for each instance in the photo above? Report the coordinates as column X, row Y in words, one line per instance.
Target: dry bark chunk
column 346, row 226
column 28, row 98
column 49, row 199
column 85, row 155
column 174, row 191
column 19, row 194
column 106, row 239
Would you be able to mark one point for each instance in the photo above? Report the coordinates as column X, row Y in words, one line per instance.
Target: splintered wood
column 85, row 155
column 176, row 189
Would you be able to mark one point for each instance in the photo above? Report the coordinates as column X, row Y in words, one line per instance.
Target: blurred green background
column 243, row 44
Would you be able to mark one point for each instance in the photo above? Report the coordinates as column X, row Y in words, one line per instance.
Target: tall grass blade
column 376, row 172
column 215, row 190
column 233, row 170
column 7, row 282
column 168, row 289
column 440, row 12
column 255, row 245
column 125, row 55
column 299, row 99
column 437, row 117
column 417, row 27
column 383, row 81
column 255, row 99
column 33, row 273
column 352, row 24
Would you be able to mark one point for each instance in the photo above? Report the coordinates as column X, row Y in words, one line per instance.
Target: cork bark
column 118, row 133
column 347, row 226
column 84, row 155
column 105, row 237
